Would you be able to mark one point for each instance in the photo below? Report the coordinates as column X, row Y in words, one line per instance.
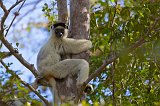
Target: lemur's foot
column 89, row 89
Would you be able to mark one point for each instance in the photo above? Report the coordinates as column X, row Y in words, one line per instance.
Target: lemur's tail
column 89, row 89
column 54, row 91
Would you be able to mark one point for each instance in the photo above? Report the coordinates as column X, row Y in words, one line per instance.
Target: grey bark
column 79, row 28
column 66, row 87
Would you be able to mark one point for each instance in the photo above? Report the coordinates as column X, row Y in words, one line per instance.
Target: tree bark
column 79, row 28
column 80, row 22
column 62, row 11
column 66, row 87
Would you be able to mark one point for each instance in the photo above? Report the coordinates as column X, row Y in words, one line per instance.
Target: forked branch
column 26, row 84
column 137, row 44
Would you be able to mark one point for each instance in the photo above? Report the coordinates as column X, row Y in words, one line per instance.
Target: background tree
column 124, row 60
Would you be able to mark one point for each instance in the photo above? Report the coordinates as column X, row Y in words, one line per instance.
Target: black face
column 59, row 29
column 59, row 32
column 60, row 24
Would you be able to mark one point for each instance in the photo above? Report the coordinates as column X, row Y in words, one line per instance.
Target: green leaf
column 17, row 44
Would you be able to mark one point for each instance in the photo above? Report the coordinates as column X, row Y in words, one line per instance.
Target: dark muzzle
column 59, row 32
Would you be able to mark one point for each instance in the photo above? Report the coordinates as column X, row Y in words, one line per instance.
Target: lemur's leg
column 68, row 66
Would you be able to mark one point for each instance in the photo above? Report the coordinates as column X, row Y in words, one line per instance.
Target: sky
column 29, row 42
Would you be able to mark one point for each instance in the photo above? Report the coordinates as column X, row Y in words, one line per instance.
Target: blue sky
column 29, row 42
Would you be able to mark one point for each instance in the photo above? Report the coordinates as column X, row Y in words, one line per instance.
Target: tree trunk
column 79, row 28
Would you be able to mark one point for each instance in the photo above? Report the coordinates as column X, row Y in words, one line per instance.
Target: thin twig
column 16, row 14
column 6, row 13
column 14, row 5
column 25, row 84
column 29, row 11
column 34, row 2
column 15, row 52
column 9, row 46
column 142, row 40
column 130, row 49
column 115, row 57
column 115, row 12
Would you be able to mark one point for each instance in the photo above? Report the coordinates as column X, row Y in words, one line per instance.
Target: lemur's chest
column 54, row 57
column 52, row 51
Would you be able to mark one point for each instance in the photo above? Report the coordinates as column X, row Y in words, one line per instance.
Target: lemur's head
column 59, row 30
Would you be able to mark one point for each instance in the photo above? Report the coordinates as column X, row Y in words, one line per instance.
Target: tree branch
column 4, row 16
column 33, row 2
column 29, row 11
column 115, row 57
column 6, row 12
column 15, row 14
column 3, row 7
column 14, row 5
column 26, row 84
column 115, row 12
column 9, row 46
column 130, row 49
column 4, row 55
column 19, row 56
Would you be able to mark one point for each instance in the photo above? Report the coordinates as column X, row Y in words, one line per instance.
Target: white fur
column 51, row 66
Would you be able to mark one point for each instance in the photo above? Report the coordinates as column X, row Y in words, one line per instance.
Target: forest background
column 126, row 43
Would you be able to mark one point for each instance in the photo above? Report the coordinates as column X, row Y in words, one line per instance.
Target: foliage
column 12, row 89
column 134, row 78
column 48, row 12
